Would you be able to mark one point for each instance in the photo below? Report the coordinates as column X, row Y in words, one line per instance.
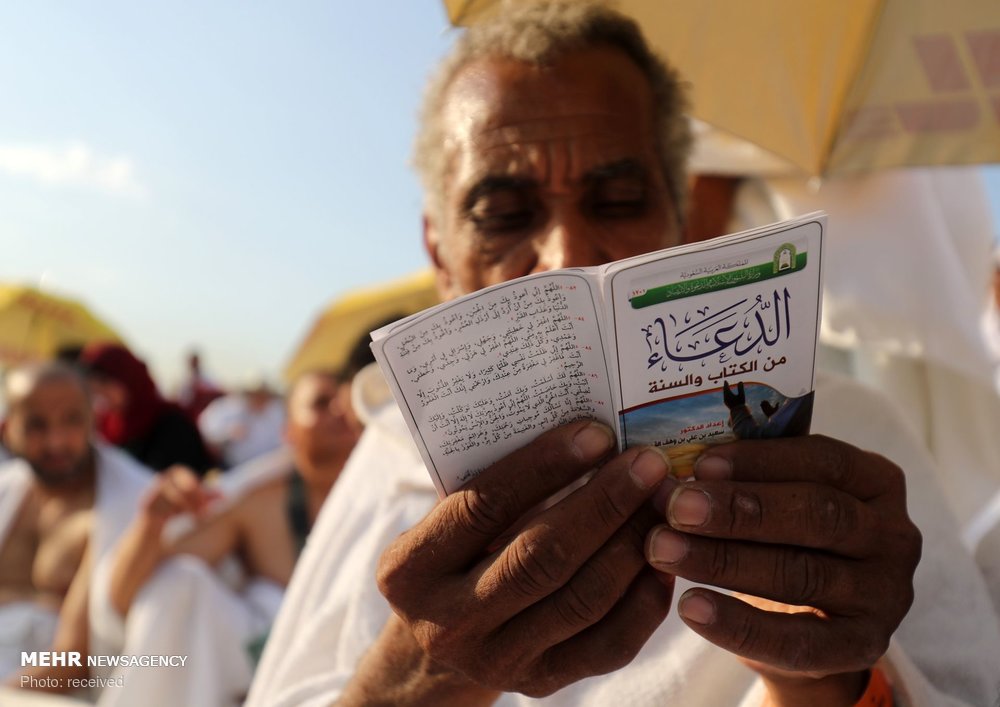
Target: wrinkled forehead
column 506, row 115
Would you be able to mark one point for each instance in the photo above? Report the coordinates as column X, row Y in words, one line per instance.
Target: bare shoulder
column 268, row 546
column 262, row 502
column 269, row 494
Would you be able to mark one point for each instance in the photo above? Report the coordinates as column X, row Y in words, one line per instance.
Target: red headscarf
column 145, row 404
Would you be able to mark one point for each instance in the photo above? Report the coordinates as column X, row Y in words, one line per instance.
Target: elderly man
column 62, row 503
column 551, row 139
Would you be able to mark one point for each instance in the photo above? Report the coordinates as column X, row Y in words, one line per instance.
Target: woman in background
column 130, row 412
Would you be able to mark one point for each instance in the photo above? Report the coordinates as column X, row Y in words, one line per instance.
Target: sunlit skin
column 42, row 558
column 50, row 429
column 321, row 430
column 562, row 172
column 322, row 427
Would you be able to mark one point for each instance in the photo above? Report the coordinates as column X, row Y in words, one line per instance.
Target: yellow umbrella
column 833, row 86
column 353, row 315
column 34, row 325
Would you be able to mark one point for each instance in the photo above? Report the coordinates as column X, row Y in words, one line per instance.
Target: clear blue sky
column 214, row 173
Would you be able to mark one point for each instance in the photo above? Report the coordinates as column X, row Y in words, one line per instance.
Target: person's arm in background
column 142, row 548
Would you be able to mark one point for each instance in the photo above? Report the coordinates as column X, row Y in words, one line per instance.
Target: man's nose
column 57, row 439
column 569, row 242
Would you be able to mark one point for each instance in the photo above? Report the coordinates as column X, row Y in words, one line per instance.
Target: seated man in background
column 553, row 138
column 179, row 605
column 62, row 503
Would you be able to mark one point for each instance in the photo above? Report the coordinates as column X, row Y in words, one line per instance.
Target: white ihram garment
column 943, row 654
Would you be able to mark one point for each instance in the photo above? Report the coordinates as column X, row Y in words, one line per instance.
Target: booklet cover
column 681, row 348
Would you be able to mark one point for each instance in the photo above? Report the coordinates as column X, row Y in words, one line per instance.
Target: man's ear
column 432, row 244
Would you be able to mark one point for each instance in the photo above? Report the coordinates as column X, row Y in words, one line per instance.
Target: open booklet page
column 718, row 344
column 483, row 375
column 713, row 342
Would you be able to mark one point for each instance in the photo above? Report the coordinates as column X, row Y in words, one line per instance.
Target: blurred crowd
column 98, row 455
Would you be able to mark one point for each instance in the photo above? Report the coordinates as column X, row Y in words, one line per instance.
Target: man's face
column 51, row 429
column 321, row 422
column 547, row 168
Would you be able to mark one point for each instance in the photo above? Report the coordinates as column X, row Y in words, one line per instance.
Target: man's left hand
column 809, row 522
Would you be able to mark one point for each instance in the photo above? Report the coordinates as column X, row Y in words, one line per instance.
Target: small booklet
column 682, row 348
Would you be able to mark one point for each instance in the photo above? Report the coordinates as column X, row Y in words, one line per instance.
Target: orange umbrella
column 833, row 87
column 353, row 315
column 35, row 325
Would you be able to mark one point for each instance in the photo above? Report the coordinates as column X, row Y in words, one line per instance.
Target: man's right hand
column 176, row 490
column 566, row 597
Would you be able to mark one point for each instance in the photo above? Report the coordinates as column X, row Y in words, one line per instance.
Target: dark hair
column 361, row 353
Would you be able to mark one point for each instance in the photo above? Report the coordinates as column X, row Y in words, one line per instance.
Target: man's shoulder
column 15, row 480
column 266, row 494
column 225, row 406
column 868, row 418
column 12, row 467
column 845, row 401
column 386, row 456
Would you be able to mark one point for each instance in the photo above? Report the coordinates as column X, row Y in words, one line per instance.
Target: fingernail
column 697, row 609
column 593, row 441
column 713, row 468
column 690, row 507
column 667, row 547
column 650, row 467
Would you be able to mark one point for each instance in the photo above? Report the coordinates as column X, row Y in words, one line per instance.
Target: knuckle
column 745, row 512
column 608, row 508
column 802, row 578
column 483, row 513
column 893, row 476
column 392, row 575
column 540, row 686
column 440, row 642
column 746, row 636
column 799, row 654
column 841, row 460
column 541, row 679
column 839, row 457
column 532, row 568
column 589, row 596
column 723, row 562
column 829, row 520
column 618, row 652
column 871, row 647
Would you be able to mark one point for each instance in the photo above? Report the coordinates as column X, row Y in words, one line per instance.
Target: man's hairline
column 434, row 212
column 41, row 380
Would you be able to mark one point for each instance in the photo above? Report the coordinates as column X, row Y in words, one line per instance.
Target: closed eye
column 617, row 191
column 501, row 205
